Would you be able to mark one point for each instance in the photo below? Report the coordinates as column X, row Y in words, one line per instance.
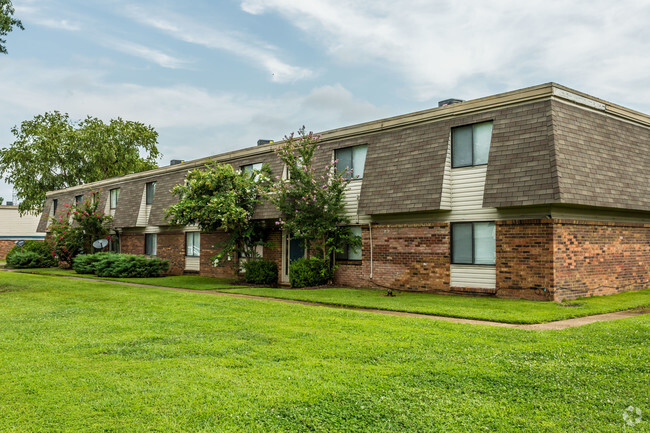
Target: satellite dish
column 100, row 243
column 19, row 243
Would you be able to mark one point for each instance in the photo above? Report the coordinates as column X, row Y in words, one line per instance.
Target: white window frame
column 192, row 244
column 154, row 248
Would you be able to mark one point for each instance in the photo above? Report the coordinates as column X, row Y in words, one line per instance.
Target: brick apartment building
column 539, row 193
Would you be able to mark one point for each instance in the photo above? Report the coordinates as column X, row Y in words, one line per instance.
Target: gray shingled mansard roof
column 550, row 145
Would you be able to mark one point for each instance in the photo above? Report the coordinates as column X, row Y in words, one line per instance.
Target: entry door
column 293, row 250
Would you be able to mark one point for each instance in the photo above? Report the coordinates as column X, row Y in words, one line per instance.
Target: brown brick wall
column 524, row 262
column 5, row 246
column 405, row 257
column 274, row 251
column 208, row 250
column 132, row 243
column 596, row 258
column 171, row 246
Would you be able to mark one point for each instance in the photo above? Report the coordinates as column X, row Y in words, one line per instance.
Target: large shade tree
column 7, row 22
column 53, row 151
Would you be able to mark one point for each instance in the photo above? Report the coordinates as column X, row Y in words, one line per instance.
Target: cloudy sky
column 213, row 76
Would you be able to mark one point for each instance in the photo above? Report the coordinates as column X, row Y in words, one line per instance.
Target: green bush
column 42, row 248
column 85, row 263
column 260, row 272
column 309, row 272
column 27, row 259
column 129, row 266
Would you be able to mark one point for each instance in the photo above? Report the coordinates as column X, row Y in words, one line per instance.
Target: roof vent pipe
column 449, row 102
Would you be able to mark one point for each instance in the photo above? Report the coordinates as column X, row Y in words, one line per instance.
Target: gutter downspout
column 370, row 229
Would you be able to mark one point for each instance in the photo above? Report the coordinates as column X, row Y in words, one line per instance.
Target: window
column 353, row 158
column 115, row 196
column 151, row 191
column 193, row 244
column 250, row 167
column 114, row 243
column 470, row 145
column 55, row 205
column 350, row 253
column 150, row 243
column 78, row 199
column 473, row 243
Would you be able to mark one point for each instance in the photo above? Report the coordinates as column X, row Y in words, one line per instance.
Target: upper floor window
column 353, row 158
column 251, row 167
column 78, row 199
column 150, row 191
column 470, row 145
column 193, row 244
column 55, row 205
column 115, row 196
column 473, row 243
column 150, row 244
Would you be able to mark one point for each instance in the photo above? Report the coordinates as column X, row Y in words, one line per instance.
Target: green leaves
column 220, row 197
column 311, row 199
column 53, row 151
column 7, row 23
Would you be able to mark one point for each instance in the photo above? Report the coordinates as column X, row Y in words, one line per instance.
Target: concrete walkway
column 548, row 326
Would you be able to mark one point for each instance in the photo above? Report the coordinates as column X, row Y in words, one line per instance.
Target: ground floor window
column 193, row 244
column 114, row 243
column 473, row 243
column 150, row 243
column 351, row 253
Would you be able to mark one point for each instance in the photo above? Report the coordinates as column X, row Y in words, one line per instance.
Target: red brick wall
column 5, row 246
column 524, row 262
column 208, row 250
column 405, row 256
column 600, row 258
column 132, row 243
column 171, row 246
column 274, row 251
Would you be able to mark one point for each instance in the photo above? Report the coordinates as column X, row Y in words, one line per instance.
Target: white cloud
column 146, row 53
column 439, row 46
column 244, row 46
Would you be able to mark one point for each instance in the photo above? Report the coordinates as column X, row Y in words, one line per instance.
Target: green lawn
column 194, row 282
column 482, row 308
column 97, row 357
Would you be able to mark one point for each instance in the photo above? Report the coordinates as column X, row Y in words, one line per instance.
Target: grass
column 194, row 282
column 481, row 308
column 96, row 357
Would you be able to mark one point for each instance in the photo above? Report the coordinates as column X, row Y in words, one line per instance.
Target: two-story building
column 539, row 193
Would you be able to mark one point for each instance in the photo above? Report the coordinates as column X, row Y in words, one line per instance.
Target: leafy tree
column 90, row 221
column 75, row 229
column 222, row 198
column 311, row 199
column 2, row 200
column 53, row 151
column 7, row 23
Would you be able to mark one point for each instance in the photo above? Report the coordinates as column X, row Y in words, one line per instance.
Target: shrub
column 85, row 263
column 42, row 248
column 260, row 272
column 26, row 259
column 309, row 272
column 129, row 266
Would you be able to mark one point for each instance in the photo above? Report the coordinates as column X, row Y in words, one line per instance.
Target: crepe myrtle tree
column 75, row 229
column 310, row 198
column 222, row 198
